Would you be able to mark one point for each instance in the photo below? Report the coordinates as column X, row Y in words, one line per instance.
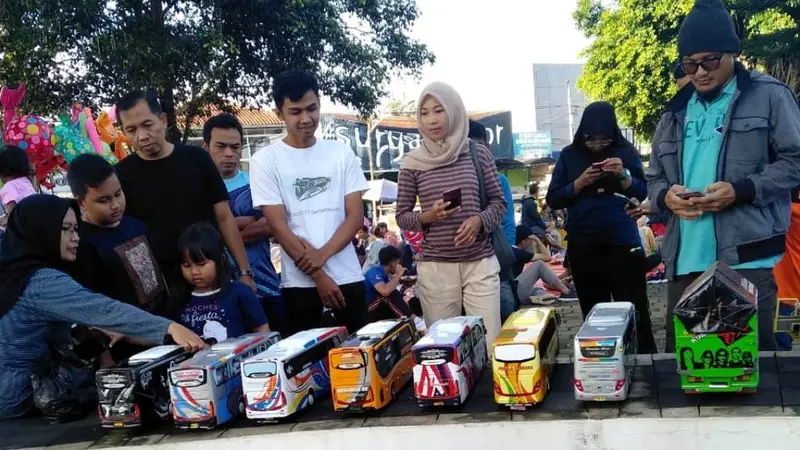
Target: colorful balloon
column 69, row 141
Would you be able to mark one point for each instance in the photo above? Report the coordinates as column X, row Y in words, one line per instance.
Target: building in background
column 261, row 128
column 559, row 103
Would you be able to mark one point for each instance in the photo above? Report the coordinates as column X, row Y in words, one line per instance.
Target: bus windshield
column 351, row 361
column 514, row 353
column 260, row 369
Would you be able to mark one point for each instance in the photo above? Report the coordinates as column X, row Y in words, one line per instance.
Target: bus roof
column 524, row 325
column 154, row 353
column 607, row 320
column 374, row 332
column 221, row 352
column 448, row 331
column 298, row 342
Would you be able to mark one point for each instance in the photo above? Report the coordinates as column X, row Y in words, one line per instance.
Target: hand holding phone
column 690, row 195
column 598, row 165
column 634, row 203
column 453, row 196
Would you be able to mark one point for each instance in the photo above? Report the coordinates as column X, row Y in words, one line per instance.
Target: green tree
column 196, row 53
column 630, row 61
column 631, row 58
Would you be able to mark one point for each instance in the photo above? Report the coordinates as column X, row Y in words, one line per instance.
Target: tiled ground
column 655, row 393
column 571, row 319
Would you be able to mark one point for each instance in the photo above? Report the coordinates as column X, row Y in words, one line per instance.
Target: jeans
column 508, row 301
column 763, row 279
column 526, row 281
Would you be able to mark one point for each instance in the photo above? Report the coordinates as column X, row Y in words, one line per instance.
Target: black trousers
column 304, row 309
column 602, row 272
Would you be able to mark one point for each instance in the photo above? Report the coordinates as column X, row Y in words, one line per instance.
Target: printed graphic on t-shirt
column 208, row 319
column 142, row 268
column 306, row 188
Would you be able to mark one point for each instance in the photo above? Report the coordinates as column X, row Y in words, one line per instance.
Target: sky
column 486, row 49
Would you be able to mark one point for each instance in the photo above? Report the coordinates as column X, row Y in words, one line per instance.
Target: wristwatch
column 247, row 273
column 625, row 175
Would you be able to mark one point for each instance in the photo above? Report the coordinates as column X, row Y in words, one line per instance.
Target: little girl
column 14, row 173
column 213, row 306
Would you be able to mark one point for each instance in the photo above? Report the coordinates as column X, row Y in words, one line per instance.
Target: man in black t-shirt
column 171, row 186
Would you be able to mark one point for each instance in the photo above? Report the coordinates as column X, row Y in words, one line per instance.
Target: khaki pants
column 445, row 287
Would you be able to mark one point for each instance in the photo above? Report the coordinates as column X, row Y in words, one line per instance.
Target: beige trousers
column 445, row 287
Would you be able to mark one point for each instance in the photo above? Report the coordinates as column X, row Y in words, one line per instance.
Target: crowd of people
column 173, row 244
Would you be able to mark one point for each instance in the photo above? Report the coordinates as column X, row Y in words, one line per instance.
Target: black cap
column 524, row 232
column 708, row 28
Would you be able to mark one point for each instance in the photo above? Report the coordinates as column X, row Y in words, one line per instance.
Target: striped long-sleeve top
column 48, row 306
column 439, row 243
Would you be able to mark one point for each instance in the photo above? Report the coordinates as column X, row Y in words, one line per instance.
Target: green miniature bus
column 716, row 333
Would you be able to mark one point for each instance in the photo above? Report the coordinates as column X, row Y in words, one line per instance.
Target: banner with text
column 390, row 144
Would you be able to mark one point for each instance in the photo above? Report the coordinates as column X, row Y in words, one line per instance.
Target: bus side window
column 384, row 358
column 547, row 337
column 630, row 333
column 404, row 337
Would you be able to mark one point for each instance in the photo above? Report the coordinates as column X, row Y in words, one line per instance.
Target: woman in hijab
column 458, row 268
column 604, row 249
column 39, row 301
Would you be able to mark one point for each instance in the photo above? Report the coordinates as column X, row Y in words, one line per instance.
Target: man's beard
column 711, row 95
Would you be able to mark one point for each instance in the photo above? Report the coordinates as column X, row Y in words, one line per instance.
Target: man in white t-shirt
column 310, row 192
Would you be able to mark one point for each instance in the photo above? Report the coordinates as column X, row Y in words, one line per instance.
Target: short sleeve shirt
column 311, row 184
column 373, row 277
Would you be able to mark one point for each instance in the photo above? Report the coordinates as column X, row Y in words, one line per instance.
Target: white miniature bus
column 206, row 390
column 291, row 375
column 449, row 360
column 605, row 353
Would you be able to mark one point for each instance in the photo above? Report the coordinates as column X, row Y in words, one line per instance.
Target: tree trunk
column 168, row 104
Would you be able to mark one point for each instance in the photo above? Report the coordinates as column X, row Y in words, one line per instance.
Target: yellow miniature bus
column 369, row 369
column 524, row 357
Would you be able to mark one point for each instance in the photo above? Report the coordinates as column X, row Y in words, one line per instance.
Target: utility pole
column 569, row 109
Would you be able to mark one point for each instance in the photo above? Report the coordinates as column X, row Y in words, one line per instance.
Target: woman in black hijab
column 39, row 301
column 605, row 251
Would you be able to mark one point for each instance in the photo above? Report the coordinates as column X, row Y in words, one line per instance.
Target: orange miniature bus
column 372, row 366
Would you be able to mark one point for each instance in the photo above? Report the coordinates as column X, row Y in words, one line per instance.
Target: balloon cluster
column 33, row 134
column 77, row 135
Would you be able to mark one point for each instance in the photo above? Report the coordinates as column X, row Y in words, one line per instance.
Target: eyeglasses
column 598, row 142
column 709, row 64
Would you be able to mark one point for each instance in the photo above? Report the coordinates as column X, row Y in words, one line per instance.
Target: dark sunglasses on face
column 709, row 64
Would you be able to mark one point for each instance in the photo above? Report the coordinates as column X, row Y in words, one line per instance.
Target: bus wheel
column 241, row 406
column 310, row 397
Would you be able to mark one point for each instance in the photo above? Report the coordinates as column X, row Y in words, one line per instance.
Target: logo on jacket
column 306, row 188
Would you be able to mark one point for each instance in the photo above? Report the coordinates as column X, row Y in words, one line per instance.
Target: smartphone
column 454, row 197
column 692, row 194
column 598, row 165
column 631, row 201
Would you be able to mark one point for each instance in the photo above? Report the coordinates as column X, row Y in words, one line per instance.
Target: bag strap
column 479, row 171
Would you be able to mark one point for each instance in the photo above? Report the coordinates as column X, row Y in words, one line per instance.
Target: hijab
column 599, row 117
column 32, row 242
column 433, row 154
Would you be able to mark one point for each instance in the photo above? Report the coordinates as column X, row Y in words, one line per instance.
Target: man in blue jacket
column 731, row 138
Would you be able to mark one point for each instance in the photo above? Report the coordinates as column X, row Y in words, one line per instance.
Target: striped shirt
column 439, row 243
column 51, row 302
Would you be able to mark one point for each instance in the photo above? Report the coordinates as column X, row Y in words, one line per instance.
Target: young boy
column 385, row 301
column 114, row 253
column 310, row 192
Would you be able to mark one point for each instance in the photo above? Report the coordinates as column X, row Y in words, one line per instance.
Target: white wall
column 773, row 433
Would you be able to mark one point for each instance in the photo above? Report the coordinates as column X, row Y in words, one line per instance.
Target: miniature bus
column 291, row 375
column 207, row 389
column 605, row 353
column 716, row 333
column 372, row 366
column 136, row 390
column 524, row 357
column 448, row 361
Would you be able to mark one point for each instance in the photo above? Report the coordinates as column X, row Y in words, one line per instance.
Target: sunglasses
column 709, row 64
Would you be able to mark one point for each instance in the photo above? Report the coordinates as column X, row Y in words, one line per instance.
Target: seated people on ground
column 382, row 282
column 39, row 301
column 532, row 252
